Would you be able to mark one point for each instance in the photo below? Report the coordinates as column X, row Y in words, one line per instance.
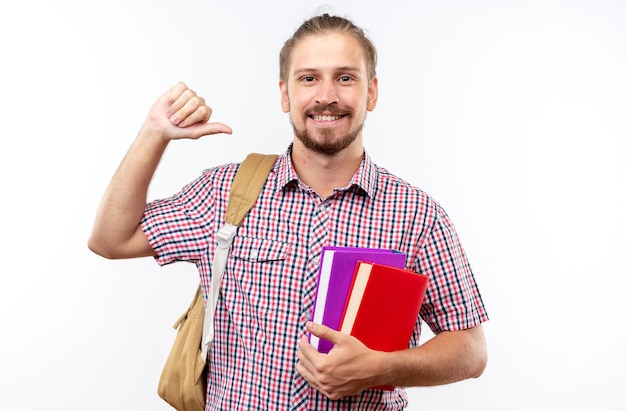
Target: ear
column 372, row 94
column 284, row 96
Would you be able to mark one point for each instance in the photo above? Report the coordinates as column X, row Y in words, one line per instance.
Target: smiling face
column 327, row 92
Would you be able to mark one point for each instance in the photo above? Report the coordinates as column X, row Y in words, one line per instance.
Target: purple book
column 337, row 266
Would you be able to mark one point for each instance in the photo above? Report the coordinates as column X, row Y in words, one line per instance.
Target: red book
column 383, row 306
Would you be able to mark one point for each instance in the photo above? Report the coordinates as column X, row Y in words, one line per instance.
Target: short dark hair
column 322, row 24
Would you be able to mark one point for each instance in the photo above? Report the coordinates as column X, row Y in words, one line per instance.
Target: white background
column 510, row 113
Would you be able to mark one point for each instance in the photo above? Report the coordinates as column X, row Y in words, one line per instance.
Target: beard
column 325, row 143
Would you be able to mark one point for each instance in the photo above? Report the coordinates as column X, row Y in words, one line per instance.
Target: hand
column 349, row 368
column 181, row 113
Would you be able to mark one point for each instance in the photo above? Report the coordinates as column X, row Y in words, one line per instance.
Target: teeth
column 326, row 118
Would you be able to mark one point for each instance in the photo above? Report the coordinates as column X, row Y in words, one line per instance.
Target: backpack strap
column 247, row 185
column 245, row 190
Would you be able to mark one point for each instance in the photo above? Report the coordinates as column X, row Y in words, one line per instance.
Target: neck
column 325, row 173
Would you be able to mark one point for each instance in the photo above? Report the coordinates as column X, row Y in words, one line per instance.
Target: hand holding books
column 368, row 294
column 349, row 368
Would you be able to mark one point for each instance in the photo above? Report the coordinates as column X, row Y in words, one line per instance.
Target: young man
column 324, row 190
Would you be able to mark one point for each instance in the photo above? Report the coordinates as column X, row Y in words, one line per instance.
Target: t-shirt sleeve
column 452, row 301
column 178, row 227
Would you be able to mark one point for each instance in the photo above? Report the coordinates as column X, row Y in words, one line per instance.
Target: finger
column 310, row 378
column 205, row 129
column 307, row 351
column 189, row 108
column 307, row 375
column 322, row 331
column 305, row 367
column 176, row 91
column 189, row 115
column 177, row 97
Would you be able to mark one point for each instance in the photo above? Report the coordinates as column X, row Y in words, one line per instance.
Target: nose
column 327, row 93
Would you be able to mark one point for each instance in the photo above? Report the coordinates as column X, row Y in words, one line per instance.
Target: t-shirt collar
column 363, row 181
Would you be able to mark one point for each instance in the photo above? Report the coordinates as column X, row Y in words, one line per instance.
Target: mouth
column 323, row 119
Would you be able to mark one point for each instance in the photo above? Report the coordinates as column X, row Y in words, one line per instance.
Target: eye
column 346, row 79
column 307, row 79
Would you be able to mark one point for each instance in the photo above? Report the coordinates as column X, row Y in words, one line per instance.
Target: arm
column 350, row 367
column 177, row 114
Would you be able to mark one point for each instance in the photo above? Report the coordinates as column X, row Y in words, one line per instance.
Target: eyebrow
column 342, row 69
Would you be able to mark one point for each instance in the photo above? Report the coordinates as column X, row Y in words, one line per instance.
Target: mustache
column 333, row 110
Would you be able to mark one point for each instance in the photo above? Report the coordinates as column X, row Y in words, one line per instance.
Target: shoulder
column 207, row 190
column 214, row 178
column 428, row 213
column 400, row 191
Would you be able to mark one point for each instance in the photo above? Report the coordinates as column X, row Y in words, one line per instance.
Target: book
column 337, row 267
column 383, row 306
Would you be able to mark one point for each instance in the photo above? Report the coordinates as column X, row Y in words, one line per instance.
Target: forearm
column 122, row 206
column 350, row 367
column 446, row 358
column 179, row 113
